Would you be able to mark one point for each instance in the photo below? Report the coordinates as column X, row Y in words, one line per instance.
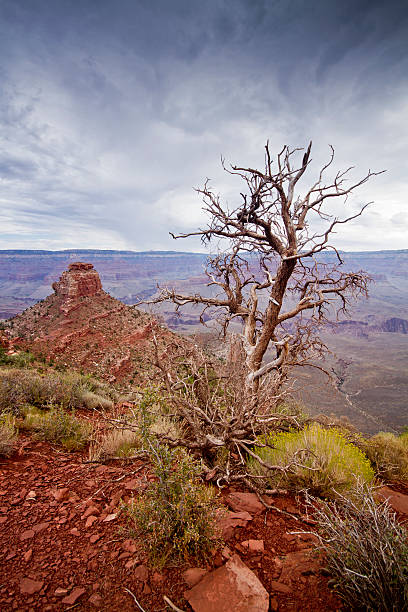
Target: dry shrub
column 319, row 460
column 58, row 425
column 176, row 516
column 367, row 552
column 20, row 387
column 388, row 455
column 8, row 434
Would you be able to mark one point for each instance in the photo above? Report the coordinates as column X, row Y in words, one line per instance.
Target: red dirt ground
column 46, row 497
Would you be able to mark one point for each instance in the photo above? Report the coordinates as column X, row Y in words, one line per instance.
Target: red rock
column 60, row 592
column 397, row 501
column 299, row 562
column 131, row 563
column 60, row 494
column 226, row 553
column 31, row 495
column 29, row 586
column 74, row 532
column 245, row 502
column 273, row 605
column 124, row 555
column 27, row 535
column 80, row 280
column 40, row 527
column 193, row 575
column 94, row 538
column 231, row 520
column 28, row 554
column 141, row 573
column 3, row 519
column 146, row 589
column 90, row 510
column 96, row 600
column 157, row 577
column 279, row 587
column 231, row 587
column 74, row 596
column 253, row 546
column 110, row 517
column 129, row 545
column 90, row 521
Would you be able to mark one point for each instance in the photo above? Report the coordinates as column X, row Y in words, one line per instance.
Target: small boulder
column 230, row 587
column 397, row 501
column 253, row 546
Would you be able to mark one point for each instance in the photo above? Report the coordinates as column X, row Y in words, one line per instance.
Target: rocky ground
column 64, row 544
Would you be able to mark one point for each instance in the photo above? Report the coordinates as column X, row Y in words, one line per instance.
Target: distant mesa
column 80, row 280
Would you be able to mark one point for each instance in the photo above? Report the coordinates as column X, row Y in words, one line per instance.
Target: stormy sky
column 111, row 112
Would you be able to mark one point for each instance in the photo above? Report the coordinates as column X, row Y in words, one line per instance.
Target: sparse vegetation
column 57, row 425
column 8, row 434
column 176, row 514
column 367, row 552
column 315, row 459
column 24, row 386
column 388, row 455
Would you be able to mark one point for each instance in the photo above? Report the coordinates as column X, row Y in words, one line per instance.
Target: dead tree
column 276, row 281
column 273, row 277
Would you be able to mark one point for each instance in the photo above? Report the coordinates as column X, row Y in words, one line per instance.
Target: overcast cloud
column 113, row 110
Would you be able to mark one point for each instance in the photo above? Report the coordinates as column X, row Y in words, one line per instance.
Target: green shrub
column 176, row 515
column 320, row 460
column 21, row 359
column 388, row 455
column 367, row 552
column 57, row 425
column 8, row 434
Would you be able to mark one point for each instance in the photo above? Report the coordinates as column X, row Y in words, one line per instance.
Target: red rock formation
column 83, row 326
column 80, row 280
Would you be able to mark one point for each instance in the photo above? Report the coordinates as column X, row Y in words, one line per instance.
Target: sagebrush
column 316, row 459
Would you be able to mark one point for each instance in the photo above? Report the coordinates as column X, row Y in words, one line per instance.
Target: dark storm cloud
column 112, row 111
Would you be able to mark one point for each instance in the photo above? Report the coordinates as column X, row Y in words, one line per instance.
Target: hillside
column 83, row 326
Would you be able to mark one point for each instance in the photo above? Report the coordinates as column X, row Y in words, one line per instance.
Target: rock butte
column 80, row 280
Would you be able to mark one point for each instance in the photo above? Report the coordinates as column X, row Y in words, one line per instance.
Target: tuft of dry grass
column 21, row 387
column 115, row 443
column 8, row 434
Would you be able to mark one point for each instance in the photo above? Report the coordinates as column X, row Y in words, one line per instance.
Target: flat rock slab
column 397, row 501
column 231, row 520
column 245, row 502
column 230, row 587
